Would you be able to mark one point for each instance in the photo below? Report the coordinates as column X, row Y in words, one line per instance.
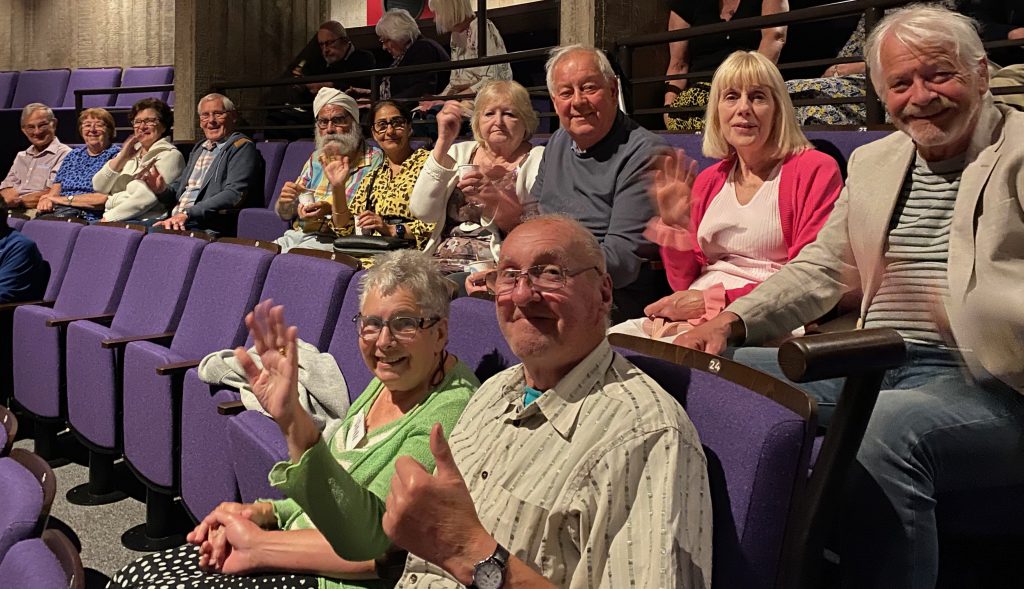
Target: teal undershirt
column 530, row 395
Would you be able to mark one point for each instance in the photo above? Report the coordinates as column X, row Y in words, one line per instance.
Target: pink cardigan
column 809, row 184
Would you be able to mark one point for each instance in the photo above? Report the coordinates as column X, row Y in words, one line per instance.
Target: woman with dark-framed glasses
column 148, row 152
column 402, row 328
column 380, row 205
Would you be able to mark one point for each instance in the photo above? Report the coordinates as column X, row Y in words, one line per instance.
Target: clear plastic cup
column 307, row 197
column 464, row 168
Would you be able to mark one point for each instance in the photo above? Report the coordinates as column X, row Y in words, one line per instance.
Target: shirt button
column 483, row 475
column 412, row 578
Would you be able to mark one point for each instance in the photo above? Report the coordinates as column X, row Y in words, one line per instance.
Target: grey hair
column 398, row 25
column 448, row 13
column 920, row 26
column 414, row 271
column 560, row 53
column 33, row 107
column 334, row 27
column 229, row 106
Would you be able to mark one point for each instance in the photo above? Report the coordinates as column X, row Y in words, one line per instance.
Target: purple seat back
column 756, row 457
column 99, row 268
column 22, row 504
column 273, row 153
column 158, row 285
column 8, row 81
column 255, row 444
column 475, row 338
column 226, row 286
column 144, row 76
column 55, row 240
column 82, row 78
column 30, row 563
column 345, row 347
column 45, row 86
column 295, row 156
column 16, row 223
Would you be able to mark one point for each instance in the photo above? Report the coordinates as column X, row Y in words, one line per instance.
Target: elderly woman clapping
column 474, row 191
column 72, row 194
column 402, row 329
column 725, row 231
column 148, row 151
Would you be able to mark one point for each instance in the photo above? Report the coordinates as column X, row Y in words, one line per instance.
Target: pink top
column 808, row 187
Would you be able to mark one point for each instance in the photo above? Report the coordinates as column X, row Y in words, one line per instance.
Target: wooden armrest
column 105, row 319
column 230, row 408
column 835, row 355
column 10, row 307
column 174, row 367
column 117, row 342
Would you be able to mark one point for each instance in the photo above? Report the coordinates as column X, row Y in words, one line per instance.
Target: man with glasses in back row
column 224, row 172
column 329, row 178
column 35, row 168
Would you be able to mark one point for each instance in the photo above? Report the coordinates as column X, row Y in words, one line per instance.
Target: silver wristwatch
column 489, row 573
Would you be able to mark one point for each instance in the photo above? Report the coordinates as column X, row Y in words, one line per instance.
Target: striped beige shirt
column 601, row 482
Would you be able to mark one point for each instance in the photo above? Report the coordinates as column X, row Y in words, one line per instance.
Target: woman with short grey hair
column 400, row 36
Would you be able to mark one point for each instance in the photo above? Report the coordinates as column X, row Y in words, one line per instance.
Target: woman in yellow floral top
column 381, row 203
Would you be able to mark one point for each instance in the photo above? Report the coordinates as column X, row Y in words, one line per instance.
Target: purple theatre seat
column 144, row 76
column 757, row 452
column 227, row 284
column 153, row 300
column 16, row 222
column 83, row 78
column 45, row 86
column 50, row 562
column 473, row 336
column 92, row 287
column 27, row 487
column 265, row 224
column 273, row 153
column 311, row 290
column 8, row 81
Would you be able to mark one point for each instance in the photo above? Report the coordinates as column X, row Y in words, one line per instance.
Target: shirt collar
column 51, row 148
column 561, row 404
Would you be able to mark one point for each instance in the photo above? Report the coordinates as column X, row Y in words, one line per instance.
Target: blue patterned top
column 75, row 174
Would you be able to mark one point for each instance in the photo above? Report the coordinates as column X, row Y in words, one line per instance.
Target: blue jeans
column 933, row 430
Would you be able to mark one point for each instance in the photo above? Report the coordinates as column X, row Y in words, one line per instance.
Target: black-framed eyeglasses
column 403, row 329
column 342, row 121
column 541, row 278
column 396, row 122
column 328, row 43
column 150, row 122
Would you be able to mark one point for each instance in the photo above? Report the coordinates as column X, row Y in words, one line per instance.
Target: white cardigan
column 131, row 199
column 429, row 200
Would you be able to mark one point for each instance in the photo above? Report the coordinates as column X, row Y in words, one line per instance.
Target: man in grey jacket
column 930, row 227
column 224, row 173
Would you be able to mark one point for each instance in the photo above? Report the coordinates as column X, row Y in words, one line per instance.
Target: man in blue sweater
column 596, row 169
column 224, row 173
column 23, row 273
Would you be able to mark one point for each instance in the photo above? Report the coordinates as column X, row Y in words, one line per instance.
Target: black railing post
column 875, row 112
column 481, row 28
column 625, row 59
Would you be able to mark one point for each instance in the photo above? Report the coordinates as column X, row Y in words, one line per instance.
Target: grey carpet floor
column 99, row 527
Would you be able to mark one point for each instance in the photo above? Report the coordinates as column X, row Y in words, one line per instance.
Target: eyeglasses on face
column 342, row 121
column 328, row 43
column 39, row 127
column 150, row 122
column 403, row 329
column 217, row 114
column 397, row 122
column 541, row 278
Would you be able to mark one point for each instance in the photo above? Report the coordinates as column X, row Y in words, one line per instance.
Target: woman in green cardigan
column 402, row 329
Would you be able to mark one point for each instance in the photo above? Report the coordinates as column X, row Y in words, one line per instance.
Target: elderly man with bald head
column 329, row 178
column 572, row 469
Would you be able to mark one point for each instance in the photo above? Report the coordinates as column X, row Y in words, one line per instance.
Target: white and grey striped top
column 600, row 482
column 916, row 259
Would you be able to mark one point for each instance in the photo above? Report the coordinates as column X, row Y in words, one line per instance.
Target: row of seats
column 56, row 88
column 113, row 354
column 30, row 554
column 284, row 162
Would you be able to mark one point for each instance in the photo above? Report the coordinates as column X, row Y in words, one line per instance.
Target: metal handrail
column 80, row 92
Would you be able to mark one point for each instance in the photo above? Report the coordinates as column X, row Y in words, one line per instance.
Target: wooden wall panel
column 41, row 34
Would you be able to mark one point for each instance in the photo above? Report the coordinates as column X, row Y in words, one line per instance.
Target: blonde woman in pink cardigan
column 726, row 230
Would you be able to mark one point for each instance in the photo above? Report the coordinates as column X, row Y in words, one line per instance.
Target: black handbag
column 362, row 246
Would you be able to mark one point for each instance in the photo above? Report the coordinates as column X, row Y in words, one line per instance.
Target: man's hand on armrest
column 715, row 335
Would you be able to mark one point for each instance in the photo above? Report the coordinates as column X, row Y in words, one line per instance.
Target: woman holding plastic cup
column 475, row 190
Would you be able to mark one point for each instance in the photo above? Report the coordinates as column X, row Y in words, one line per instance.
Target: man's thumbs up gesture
column 432, row 515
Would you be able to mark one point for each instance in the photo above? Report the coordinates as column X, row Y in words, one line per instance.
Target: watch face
column 488, row 575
